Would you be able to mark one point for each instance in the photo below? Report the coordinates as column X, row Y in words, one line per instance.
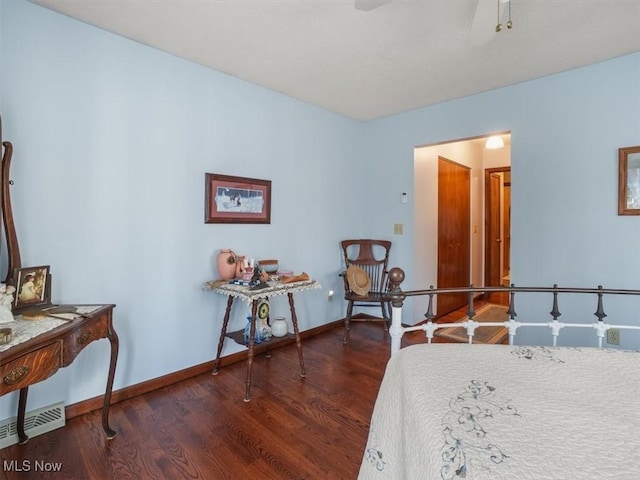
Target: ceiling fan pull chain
column 509, row 22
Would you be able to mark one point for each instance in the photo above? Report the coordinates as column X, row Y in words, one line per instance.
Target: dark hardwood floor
column 293, row 428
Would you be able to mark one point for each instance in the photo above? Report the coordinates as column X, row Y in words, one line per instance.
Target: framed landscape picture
column 629, row 181
column 230, row 199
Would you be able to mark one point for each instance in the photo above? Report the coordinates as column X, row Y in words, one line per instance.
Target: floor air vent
column 36, row 423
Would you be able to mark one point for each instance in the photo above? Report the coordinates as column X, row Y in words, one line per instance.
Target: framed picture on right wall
column 629, row 181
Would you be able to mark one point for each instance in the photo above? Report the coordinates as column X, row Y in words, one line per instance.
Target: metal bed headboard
column 397, row 297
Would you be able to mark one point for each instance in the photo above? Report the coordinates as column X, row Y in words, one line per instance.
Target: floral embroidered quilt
column 459, row 411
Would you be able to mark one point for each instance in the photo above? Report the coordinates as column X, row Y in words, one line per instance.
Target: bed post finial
column 396, row 277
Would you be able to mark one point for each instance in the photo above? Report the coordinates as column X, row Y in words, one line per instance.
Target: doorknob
column 499, row 240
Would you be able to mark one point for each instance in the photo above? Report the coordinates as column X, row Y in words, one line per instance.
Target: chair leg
column 347, row 322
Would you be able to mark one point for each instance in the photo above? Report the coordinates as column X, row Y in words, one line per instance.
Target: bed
column 463, row 411
column 506, row 412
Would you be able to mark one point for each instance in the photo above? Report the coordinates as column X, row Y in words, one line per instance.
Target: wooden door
column 454, row 232
column 497, row 240
column 506, row 233
column 493, row 273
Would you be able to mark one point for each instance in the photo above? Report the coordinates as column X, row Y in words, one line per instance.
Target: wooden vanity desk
column 35, row 359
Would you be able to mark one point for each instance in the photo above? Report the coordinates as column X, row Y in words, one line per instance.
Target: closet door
column 454, row 232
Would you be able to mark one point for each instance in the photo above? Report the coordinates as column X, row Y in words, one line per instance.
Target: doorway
column 497, row 227
column 473, row 154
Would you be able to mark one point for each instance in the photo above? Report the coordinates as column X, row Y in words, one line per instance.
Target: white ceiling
column 370, row 64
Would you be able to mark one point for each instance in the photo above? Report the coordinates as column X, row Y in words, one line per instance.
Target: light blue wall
column 112, row 140
column 566, row 130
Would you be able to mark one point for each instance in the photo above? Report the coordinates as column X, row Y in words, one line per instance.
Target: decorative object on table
column 263, row 310
column 263, row 318
column 248, row 272
column 262, row 334
column 258, row 280
column 226, row 263
column 359, row 281
column 247, row 333
column 34, row 315
column 230, row 199
column 268, row 266
column 294, row 278
column 216, row 283
column 257, row 285
column 6, row 299
column 240, row 265
column 6, row 334
column 32, row 286
column 629, row 181
column 247, row 276
column 279, row 327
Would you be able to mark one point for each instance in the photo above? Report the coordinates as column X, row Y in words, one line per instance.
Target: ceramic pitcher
column 226, row 263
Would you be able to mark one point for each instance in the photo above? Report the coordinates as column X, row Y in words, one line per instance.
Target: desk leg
column 225, row 322
column 22, row 405
column 252, row 340
column 113, row 339
column 294, row 321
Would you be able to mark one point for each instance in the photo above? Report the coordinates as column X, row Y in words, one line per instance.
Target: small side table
column 252, row 297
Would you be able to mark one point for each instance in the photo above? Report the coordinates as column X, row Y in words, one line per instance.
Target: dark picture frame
column 32, row 287
column 629, row 181
column 230, row 199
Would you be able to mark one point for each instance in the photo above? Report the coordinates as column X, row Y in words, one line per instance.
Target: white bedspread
column 458, row 411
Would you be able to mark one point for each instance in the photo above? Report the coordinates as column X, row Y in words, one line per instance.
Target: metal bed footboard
column 397, row 297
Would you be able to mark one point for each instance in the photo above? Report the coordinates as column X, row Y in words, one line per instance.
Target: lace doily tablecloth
column 274, row 289
column 23, row 330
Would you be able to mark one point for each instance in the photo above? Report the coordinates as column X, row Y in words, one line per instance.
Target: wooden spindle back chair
column 372, row 256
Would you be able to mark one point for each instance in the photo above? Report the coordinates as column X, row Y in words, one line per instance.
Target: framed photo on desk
column 32, row 287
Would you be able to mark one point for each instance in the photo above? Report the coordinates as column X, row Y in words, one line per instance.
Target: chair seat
column 369, row 297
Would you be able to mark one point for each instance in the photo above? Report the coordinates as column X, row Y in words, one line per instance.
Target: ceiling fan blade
column 483, row 28
column 370, row 4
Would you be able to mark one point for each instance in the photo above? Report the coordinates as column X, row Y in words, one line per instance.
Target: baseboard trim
column 95, row 403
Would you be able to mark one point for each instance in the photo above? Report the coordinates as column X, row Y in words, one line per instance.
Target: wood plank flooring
column 293, row 428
